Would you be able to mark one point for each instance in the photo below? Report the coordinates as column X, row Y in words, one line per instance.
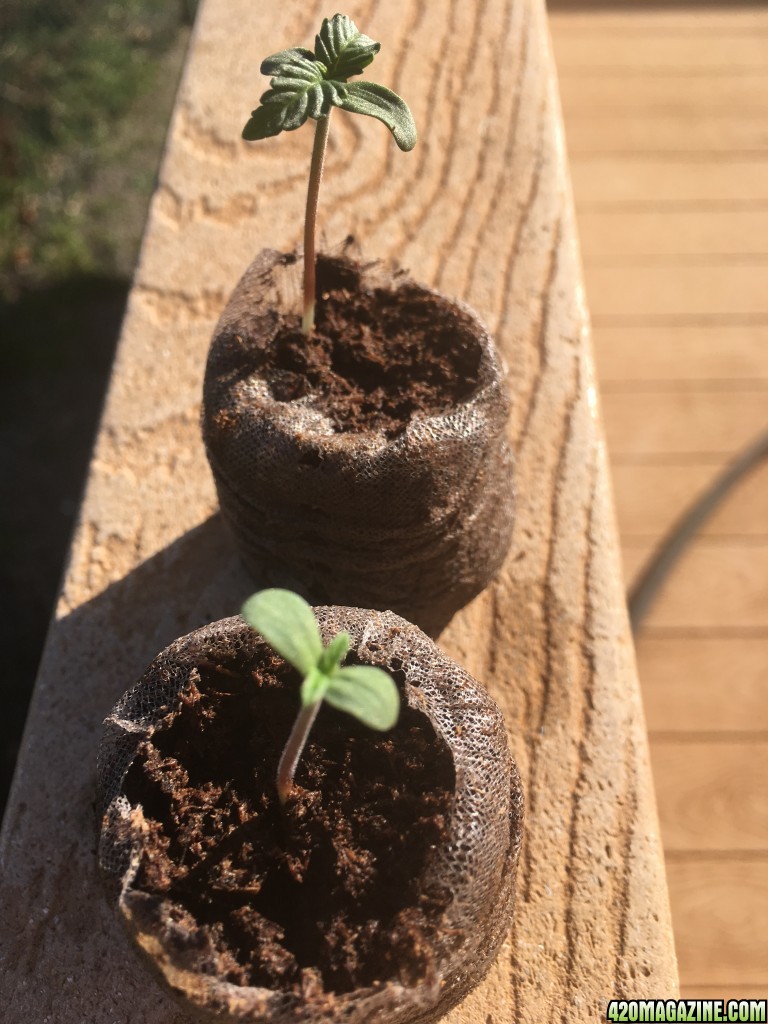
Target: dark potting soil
column 325, row 895
column 376, row 358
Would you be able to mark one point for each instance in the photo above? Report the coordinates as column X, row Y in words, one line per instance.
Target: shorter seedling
column 288, row 624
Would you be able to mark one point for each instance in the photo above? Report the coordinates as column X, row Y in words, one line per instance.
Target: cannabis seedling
column 306, row 84
column 288, row 625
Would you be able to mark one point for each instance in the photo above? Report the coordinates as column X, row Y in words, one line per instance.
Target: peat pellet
column 366, row 464
column 379, row 893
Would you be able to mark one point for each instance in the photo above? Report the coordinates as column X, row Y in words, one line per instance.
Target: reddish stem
column 286, row 769
column 313, row 191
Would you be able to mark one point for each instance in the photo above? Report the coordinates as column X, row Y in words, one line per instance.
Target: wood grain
column 664, row 108
column 704, row 685
column 481, row 208
column 711, row 794
column 716, row 585
column 682, row 423
column 712, row 352
column 740, row 47
column 689, row 18
column 737, row 291
column 722, row 906
column 686, row 236
column 655, row 180
column 650, row 498
column 620, row 135
column 722, row 991
column 732, row 90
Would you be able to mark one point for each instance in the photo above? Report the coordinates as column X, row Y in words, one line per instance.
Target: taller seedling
column 306, row 84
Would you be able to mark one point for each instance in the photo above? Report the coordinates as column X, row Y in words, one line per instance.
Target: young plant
column 288, row 624
column 306, row 84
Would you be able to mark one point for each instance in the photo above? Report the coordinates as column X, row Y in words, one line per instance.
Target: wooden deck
column 482, row 209
column 666, row 125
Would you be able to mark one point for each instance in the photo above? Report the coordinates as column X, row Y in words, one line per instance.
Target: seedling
column 288, row 625
column 306, row 84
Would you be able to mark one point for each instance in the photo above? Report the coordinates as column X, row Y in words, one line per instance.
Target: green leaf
column 315, row 687
column 343, row 49
column 288, row 624
column 306, row 84
column 334, row 653
column 297, row 57
column 299, row 90
column 263, row 123
column 366, row 692
column 380, row 102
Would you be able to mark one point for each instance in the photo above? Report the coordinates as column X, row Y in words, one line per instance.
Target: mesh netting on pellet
column 476, row 864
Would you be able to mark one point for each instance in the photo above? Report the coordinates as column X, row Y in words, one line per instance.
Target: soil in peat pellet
column 376, row 358
column 327, row 894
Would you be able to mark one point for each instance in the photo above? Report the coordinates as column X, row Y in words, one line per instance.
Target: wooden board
column 726, row 291
column 482, row 208
column 740, row 47
column 689, row 18
column 682, row 424
column 733, row 90
column 681, row 237
column 664, row 108
column 711, row 793
column 621, row 135
column 716, row 585
column 650, row 498
column 682, row 353
column 722, row 991
column 657, row 181
column 722, row 906
column 704, row 685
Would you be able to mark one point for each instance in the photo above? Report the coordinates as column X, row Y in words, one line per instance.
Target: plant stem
column 286, row 769
column 313, row 191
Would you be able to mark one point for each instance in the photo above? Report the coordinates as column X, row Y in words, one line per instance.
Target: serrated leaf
column 263, row 123
column 288, row 624
column 379, row 102
column 366, row 692
column 298, row 90
column 296, row 57
column 334, row 653
column 343, row 49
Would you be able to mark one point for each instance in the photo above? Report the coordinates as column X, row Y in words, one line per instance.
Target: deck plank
column 734, row 90
column 653, row 180
column 716, row 585
column 587, row 17
column 658, row 49
column 711, row 235
column 664, row 110
column 682, row 423
column 723, row 291
column 704, row 685
column 650, row 498
column 711, row 793
column 620, row 136
column 722, row 992
column 722, row 906
column 682, row 354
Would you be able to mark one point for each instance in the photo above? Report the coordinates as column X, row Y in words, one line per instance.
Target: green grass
column 85, row 93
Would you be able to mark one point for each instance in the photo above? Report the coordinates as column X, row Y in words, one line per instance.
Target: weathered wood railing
column 481, row 209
